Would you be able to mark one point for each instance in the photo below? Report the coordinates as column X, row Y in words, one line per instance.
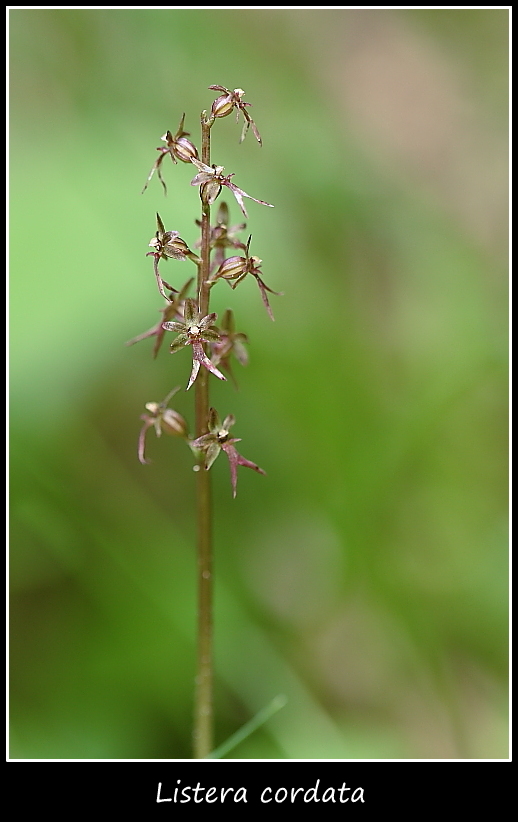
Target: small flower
column 194, row 331
column 231, row 342
column 173, row 308
column 211, row 179
column 229, row 100
column 236, row 268
column 219, row 440
column 165, row 421
column 178, row 147
column 168, row 244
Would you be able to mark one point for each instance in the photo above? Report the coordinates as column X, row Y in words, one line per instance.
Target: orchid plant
column 211, row 345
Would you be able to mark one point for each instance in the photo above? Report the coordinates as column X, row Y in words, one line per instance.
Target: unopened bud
column 178, row 245
column 222, row 106
column 231, row 268
column 222, row 216
column 209, row 191
column 173, row 423
column 185, row 150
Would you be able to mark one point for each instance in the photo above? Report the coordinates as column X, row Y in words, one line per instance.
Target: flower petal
column 207, row 321
column 150, row 333
column 159, row 223
column 158, row 277
column 247, row 464
column 211, row 335
column 199, row 356
column 202, row 177
column 190, row 311
column 211, row 454
column 174, row 326
column 229, row 421
column 242, row 193
column 240, row 352
column 194, row 372
column 237, row 194
column 180, row 342
column 236, row 459
column 264, row 288
column 203, row 442
column 156, row 167
column 232, row 455
column 214, row 421
column 202, row 167
column 148, row 422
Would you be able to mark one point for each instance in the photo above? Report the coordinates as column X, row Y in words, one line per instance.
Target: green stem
column 203, row 711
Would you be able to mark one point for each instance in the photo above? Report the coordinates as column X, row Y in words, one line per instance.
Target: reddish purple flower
column 168, row 245
column 195, row 330
column 165, row 420
column 227, row 102
column 211, row 179
column 236, row 269
column 218, row 439
column 178, row 147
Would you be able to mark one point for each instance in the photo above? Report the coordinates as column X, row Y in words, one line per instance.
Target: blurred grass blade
column 249, row 727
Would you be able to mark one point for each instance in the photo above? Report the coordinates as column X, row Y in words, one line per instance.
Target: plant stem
column 203, row 712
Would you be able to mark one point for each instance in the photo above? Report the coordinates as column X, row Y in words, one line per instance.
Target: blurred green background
column 366, row 576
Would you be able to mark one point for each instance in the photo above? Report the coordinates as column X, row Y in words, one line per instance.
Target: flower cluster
column 211, row 346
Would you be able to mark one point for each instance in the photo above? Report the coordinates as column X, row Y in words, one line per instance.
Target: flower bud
column 222, row 216
column 223, row 106
column 209, row 191
column 173, row 423
column 177, row 246
column 185, row 150
column 231, row 268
